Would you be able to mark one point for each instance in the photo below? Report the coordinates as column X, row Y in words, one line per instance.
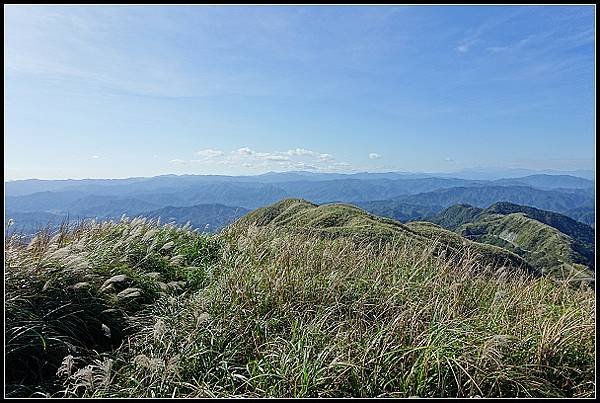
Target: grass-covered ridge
column 265, row 311
column 344, row 220
column 553, row 243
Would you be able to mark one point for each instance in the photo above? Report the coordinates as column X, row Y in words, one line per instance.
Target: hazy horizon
column 491, row 172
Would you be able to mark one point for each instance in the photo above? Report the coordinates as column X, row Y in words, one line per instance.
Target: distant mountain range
column 499, row 173
column 482, row 196
column 427, row 204
column 579, row 179
column 200, row 199
column 203, row 217
column 206, row 217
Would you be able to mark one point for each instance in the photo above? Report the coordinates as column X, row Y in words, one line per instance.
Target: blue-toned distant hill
column 408, row 181
column 483, row 196
column 31, row 222
column 500, row 173
column 135, row 199
column 543, row 181
column 584, row 214
column 402, row 196
column 204, row 217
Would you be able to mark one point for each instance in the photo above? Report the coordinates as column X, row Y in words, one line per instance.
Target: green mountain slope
column 398, row 210
column 577, row 230
column 455, row 216
column 341, row 220
column 551, row 242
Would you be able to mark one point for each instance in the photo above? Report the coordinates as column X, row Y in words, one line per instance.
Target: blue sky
column 115, row 91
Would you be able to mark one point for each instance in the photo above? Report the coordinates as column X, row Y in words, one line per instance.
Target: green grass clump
column 280, row 313
column 57, row 305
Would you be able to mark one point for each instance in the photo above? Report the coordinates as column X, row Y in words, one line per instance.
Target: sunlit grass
column 265, row 312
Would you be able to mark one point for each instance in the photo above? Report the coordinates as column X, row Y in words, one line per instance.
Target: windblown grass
column 272, row 313
column 56, row 305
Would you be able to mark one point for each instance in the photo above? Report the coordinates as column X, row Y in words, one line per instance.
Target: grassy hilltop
column 293, row 300
column 342, row 220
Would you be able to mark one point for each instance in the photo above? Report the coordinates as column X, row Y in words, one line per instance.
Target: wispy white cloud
column 464, row 47
column 520, row 43
column 304, row 166
column 245, row 157
column 63, row 45
column 301, row 151
column 209, row 153
column 466, row 43
column 95, row 157
column 340, row 166
column 244, row 151
column 476, row 35
column 276, row 158
column 374, row 156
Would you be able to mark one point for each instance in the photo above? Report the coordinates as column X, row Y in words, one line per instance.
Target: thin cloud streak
column 292, row 159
